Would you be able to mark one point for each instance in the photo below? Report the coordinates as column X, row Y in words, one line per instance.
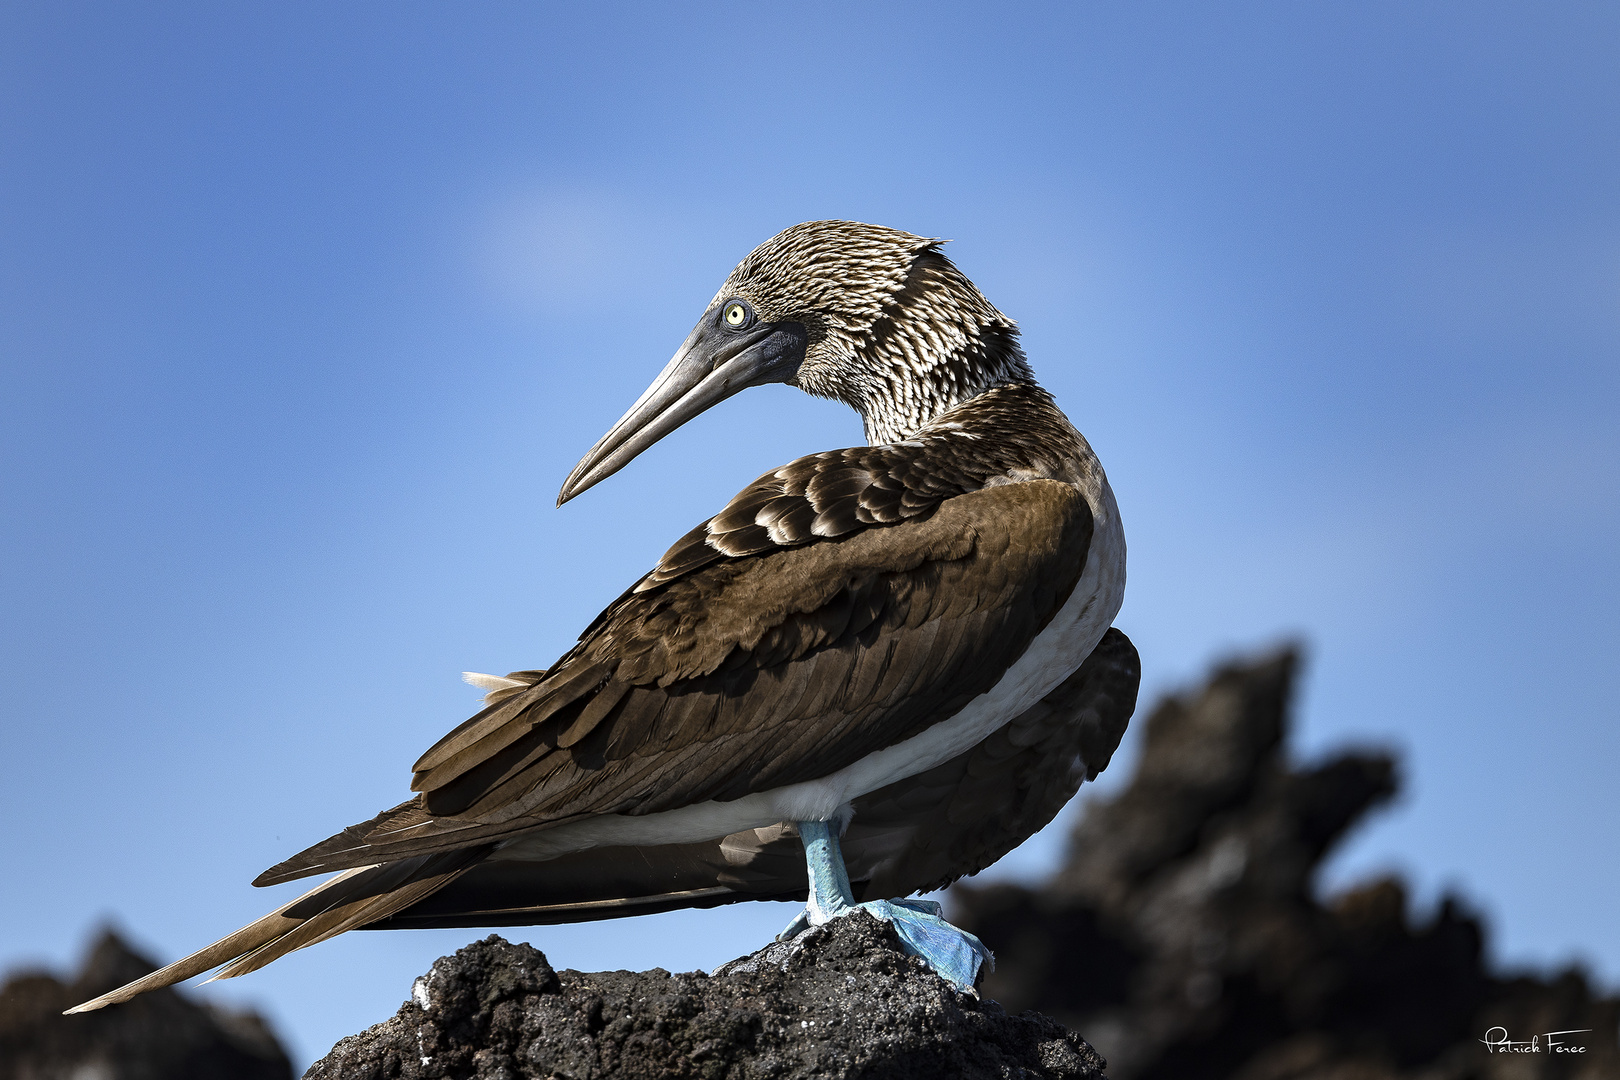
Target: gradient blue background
column 308, row 309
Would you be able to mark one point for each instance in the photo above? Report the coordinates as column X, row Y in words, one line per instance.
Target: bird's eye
column 736, row 314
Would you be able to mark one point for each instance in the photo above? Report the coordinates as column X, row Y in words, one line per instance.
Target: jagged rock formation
column 841, row 1002
column 161, row 1036
column 1183, row 936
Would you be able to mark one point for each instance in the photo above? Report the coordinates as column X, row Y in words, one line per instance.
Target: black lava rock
column 840, row 1002
column 158, row 1036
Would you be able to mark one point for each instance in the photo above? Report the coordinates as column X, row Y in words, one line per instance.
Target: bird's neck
column 939, row 343
column 935, row 343
column 1014, row 431
column 894, row 409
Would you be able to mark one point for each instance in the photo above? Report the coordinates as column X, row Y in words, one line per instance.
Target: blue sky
column 308, row 309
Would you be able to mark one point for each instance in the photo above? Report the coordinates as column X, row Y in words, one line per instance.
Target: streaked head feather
column 896, row 331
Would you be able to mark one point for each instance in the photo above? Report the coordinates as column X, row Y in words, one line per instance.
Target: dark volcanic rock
column 158, row 1036
column 842, row 1002
column 1184, row 934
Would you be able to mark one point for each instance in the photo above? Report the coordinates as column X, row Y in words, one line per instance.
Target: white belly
column 1052, row 657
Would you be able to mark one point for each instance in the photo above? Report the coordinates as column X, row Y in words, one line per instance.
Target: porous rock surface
column 840, row 1002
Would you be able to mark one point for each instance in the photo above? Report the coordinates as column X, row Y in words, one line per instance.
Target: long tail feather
column 353, row 898
column 399, row 885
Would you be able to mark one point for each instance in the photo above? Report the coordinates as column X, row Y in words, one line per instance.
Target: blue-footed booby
column 873, row 671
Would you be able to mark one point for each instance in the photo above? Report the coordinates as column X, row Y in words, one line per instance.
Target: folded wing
column 747, row 674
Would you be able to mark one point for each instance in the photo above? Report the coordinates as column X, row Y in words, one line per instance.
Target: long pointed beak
column 712, row 365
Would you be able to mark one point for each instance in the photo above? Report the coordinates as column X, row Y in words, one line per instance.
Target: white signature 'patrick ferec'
column 1548, row 1042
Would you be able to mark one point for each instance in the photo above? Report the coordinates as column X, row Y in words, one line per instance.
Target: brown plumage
column 813, row 644
column 915, row 835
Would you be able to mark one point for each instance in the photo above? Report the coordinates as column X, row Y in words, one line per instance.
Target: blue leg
column 954, row 954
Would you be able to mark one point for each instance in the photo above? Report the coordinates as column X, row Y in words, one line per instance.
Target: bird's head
column 877, row 318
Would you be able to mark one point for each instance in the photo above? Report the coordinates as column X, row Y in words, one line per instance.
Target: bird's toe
column 800, row 923
column 954, row 954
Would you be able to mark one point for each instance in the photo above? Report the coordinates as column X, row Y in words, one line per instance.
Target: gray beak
column 713, row 364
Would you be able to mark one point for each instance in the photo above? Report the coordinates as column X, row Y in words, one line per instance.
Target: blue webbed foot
column 954, row 954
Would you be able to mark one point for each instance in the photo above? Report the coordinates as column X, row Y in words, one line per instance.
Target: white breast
column 1054, row 654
